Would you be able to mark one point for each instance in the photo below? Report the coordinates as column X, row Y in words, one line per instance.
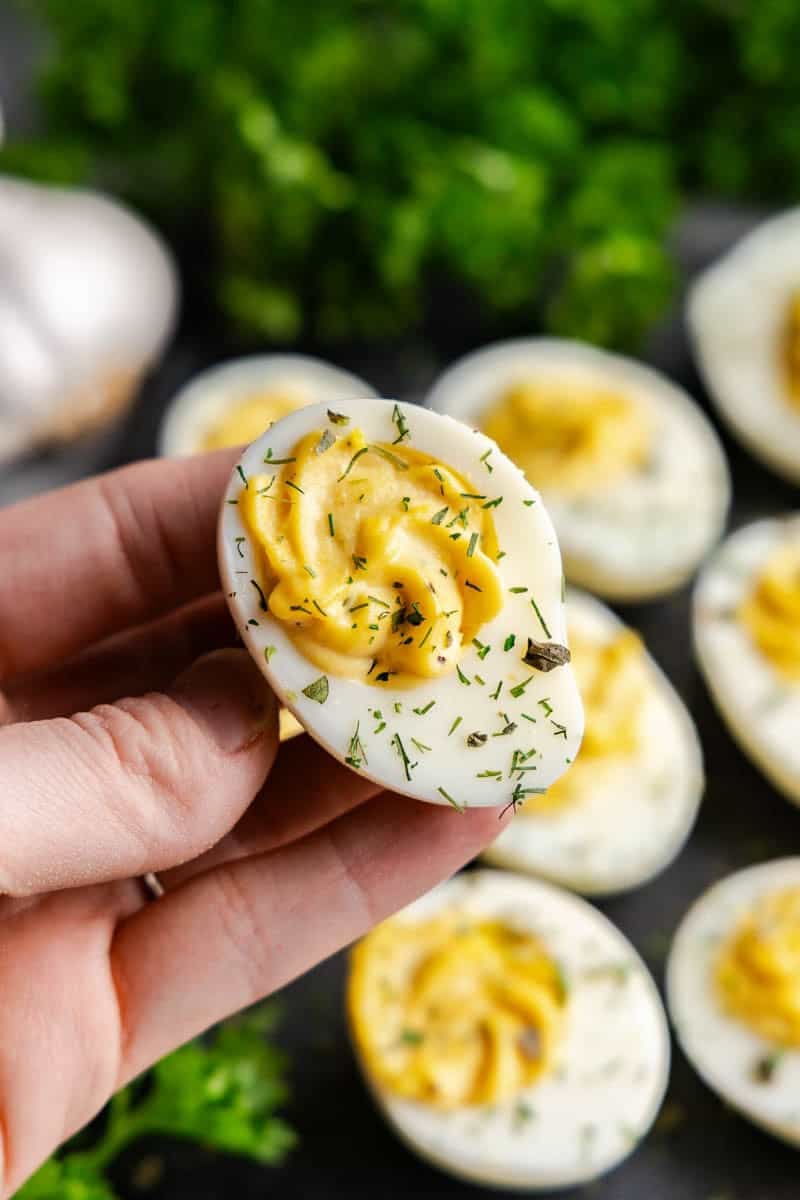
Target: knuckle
column 245, row 934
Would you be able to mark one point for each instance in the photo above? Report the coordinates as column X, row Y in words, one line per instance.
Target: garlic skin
column 88, row 299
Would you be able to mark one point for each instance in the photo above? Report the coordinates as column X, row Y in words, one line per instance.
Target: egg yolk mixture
column 246, row 419
column 453, row 1011
column 758, row 970
column 612, row 682
column 790, row 350
column 379, row 560
column 771, row 611
column 569, row 439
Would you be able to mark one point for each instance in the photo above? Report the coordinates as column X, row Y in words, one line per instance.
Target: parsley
column 318, row 690
column 401, row 424
column 508, row 644
column 337, row 418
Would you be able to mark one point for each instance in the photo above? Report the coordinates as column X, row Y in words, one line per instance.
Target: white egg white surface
column 203, row 401
column 736, row 312
column 612, row 1064
column 723, row 1050
column 646, row 535
column 761, row 707
column 532, row 560
column 643, row 805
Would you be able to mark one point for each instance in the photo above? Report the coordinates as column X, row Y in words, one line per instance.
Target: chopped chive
column 493, row 503
column 561, row 730
column 319, row 608
column 477, row 739
column 299, row 608
column 379, row 728
column 420, row 746
column 337, row 418
column 263, row 491
column 498, row 775
column 295, row 487
column 331, row 527
column 462, row 677
column 458, row 807
column 428, row 632
column 479, row 680
column 398, row 706
column 471, row 496
column 438, row 517
column 482, row 648
column 545, row 704
column 356, row 753
column 421, row 711
column 402, row 425
column 542, row 621
column 528, row 717
column 269, row 651
column 356, row 607
column 454, row 726
column 517, row 691
column 516, row 591
column 473, row 541
column 377, row 600
column 468, row 583
column 239, row 541
column 440, row 477
column 277, row 462
column 262, row 600
column 352, row 463
column 406, row 500
column 359, row 562
column 392, row 458
column 401, row 750
column 508, row 644
column 236, row 501
column 485, row 460
column 310, row 570
column 242, row 475
column 528, row 503
column 252, row 621
column 496, row 693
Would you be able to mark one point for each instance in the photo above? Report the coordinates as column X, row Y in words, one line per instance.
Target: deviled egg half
column 233, row 403
column 632, row 473
column 744, row 318
column 509, row 1033
column 625, row 807
column 747, row 639
column 733, row 987
column 399, row 584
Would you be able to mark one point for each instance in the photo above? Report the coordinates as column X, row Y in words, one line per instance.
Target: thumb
column 136, row 786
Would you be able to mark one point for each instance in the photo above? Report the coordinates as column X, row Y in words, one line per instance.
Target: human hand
column 121, row 753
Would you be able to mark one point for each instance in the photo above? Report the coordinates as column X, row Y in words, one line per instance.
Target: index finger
column 89, row 560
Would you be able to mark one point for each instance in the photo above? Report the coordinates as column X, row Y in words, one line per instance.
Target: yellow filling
column 246, row 419
column 790, row 350
column 454, row 1012
column 771, row 611
column 758, row 970
column 375, row 557
column 570, row 439
column 612, row 681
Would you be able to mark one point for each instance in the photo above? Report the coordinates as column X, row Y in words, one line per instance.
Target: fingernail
column 226, row 694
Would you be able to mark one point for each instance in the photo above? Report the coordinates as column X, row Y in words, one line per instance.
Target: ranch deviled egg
column 233, row 403
column 733, row 986
column 747, row 639
column 631, row 471
column 509, row 1033
column 744, row 317
column 399, row 584
column 624, row 808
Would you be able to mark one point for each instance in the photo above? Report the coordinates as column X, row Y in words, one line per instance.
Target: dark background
column 699, row 1150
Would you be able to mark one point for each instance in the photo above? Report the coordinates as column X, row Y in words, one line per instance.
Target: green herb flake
column 461, row 808
column 454, row 726
column 356, row 755
column 331, row 526
column 277, row 462
column 485, row 460
column 295, row 487
column 408, row 766
column 462, row 677
column 394, row 459
column 325, row 442
column 471, row 496
column 498, row 500
column 269, row 651
column 438, row 517
column 422, row 711
column 508, row 644
column 310, row 570
column 352, row 463
column 336, row 418
column 401, row 425
column 262, row 599
column 318, row 690
column 518, row 690
column 473, row 541
column 542, row 621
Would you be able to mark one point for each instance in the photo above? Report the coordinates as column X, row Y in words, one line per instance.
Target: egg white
column 645, row 536
column 736, row 312
column 204, row 400
column 723, row 1050
column 761, row 708
column 612, row 1064
column 532, row 560
column 641, row 808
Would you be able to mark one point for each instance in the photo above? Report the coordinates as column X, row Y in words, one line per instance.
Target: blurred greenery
column 223, row 1092
column 335, row 160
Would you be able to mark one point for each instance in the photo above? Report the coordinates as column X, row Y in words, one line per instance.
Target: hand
column 122, row 752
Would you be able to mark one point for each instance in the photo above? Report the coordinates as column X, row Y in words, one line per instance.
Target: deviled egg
column 509, row 1033
column 399, row 583
column 632, row 473
column 233, row 403
column 625, row 807
column 744, row 317
column 733, row 987
column 747, row 640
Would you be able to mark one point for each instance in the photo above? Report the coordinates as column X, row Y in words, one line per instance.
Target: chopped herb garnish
column 462, row 677
column 356, row 753
column 438, row 517
column 318, row 690
column 352, row 463
column 542, row 621
column 384, row 676
column 508, row 644
column 262, row 599
column 406, row 500
column 498, row 775
column 440, row 477
column 561, row 730
column 398, row 706
column 482, row 648
column 468, row 583
column 477, row 739
column 528, row 717
column 310, row 570
column 458, row 807
column 428, row 632
column 402, row 425
column 239, row 541
column 242, row 475
column 252, row 621
column 507, row 728
column 528, row 503
column 379, row 728
column 319, row 608
column 545, row 704
column 495, row 694
column 454, row 726
column 411, row 1037
column 337, row 418
column 325, row 442
column 517, row 691
column 415, row 616
column 401, row 750
column 485, row 460
column 473, row 541
column 377, row 600
column 420, row 745
column 493, row 503
column 471, row 496
column 766, row 1066
column 277, row 462
column 517, row 590
column 359, row 562
column 295, row 487
column 546, row 656
column 299, row 608
column 479, row 680
column 269, row 651
column 263, row 491
column 392, row 458
column 422, row 711
column 331, row 527
column 357, row 607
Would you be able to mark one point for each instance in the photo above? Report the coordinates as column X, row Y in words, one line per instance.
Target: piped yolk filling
column 569, row 438
column 758, row 969
column 247, row 418
column 771, row 611
column 378, row 559
column 454, row 1012
column 790, row 351
column 612, row 682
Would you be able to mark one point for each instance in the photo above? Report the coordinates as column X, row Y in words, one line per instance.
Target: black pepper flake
column 546, row 656
column 477, row 739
